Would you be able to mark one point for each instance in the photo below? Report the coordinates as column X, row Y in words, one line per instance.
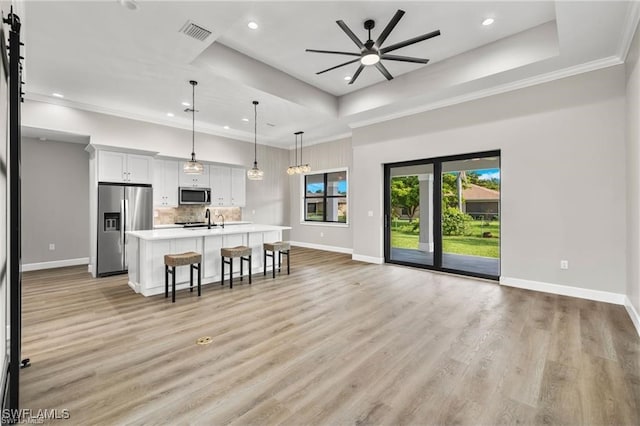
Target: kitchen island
column 146, row 250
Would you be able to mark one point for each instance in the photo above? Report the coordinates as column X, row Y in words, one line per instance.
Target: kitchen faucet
column 207, row 215
column 222, row 220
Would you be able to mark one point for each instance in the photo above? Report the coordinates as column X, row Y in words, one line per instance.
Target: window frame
column 324, row 198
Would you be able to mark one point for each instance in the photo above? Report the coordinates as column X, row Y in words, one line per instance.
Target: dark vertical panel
column 387, row 213
column 437, row 214
column 15, row 99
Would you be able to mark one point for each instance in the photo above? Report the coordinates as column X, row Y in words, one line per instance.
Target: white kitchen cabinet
column 124, row 168
column 195, row 181
column 165, row 183
column 220, row 183
column 238, row 187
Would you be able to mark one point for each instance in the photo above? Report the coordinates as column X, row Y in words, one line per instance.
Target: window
column 325, row 197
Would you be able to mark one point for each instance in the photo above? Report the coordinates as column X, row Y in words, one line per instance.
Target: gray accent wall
column 330, row 155
column 562, row 148
column 633, row 172
column 55, row 201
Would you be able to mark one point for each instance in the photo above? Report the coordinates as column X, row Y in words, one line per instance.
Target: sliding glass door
column 444, row 214
column 411, row 214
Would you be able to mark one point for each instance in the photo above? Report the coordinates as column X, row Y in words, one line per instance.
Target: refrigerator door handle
column 126, row 221
column 123, row 222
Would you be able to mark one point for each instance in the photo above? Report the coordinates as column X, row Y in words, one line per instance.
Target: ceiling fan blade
column 384, row 71
column 350, row 33
column 356, row 74
column 334, row 52
column 390, row 26
column 410, row 41
column 338, row 66
column 404, row 59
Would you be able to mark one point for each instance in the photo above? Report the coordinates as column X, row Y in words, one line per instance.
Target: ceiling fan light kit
column 372, row 53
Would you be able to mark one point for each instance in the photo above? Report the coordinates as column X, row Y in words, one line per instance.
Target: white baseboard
column 368, row 259
column 322, row 247
column 54, row 264
column 635, row 317
column 565, row 290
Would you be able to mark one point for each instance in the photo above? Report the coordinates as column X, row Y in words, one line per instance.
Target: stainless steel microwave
column 189, row 195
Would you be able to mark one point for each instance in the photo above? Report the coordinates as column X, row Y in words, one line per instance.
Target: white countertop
column 177, row 233
column 173, row 225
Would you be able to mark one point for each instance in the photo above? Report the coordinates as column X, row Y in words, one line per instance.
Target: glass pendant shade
column 298, row 168
column 255, row 173
column 193, row 167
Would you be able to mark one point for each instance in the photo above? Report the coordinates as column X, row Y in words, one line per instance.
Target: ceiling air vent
column 195, row 31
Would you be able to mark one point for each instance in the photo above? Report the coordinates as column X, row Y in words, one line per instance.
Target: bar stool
column 243, row 252
column 192, row 259
column 282, row 247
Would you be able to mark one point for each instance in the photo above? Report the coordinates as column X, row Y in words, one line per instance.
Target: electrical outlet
column 52, row 246
column 215, row 212
column 370, row 213
column 564, row 264
column 322, row 234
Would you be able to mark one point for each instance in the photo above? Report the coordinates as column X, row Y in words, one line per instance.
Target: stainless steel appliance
column 194, row 195
column 121, row 208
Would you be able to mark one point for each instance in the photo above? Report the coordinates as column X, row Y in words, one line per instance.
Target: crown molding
column 629, row 29
column 496, row 90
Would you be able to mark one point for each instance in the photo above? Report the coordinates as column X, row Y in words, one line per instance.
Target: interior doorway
column 444, row 214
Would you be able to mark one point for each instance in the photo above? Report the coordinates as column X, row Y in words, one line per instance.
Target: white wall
column 563, row 172
column 267, row 200
column 325, row 156
column 633, row 173
column 55, row 201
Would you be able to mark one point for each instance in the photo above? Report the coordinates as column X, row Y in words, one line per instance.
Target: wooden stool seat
column 182, row 259
column 243, row 252
column 277, row 246
column 282, row 247
column 234, row 252
column 172, row 261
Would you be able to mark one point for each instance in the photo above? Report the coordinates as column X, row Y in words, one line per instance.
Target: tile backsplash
column 169, row 215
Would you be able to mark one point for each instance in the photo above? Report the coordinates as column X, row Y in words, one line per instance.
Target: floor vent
column 195, row 31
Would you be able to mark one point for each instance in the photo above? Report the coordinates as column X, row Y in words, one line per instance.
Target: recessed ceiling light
column 57, row 95
column 170, row 114
column 253, row 25
column 245, row 119
column 226, row 127
column 487, row 21
column 347, row 77
column 186, row 104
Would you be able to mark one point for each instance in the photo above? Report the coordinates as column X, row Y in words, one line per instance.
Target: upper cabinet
column 195, row 181
column 165, row 183
column 220, row 186
column 238, row 187
column 227, row 186
column 124, row 168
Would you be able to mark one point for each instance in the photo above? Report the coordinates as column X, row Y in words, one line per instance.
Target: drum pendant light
column 193, row 167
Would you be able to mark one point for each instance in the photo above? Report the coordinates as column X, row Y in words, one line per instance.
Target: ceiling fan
column 371, row 53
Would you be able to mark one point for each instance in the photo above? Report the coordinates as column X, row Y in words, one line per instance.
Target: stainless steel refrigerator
column 121, row 208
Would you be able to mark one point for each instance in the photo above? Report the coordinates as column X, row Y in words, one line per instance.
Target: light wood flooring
column 336, row 342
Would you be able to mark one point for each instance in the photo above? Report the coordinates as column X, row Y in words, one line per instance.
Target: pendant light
column 304, row 168
column 255, row 173
column 299, row 167
column 193, row 167
column 291, row 170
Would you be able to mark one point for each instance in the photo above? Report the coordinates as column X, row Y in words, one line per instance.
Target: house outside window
column 325, row 197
